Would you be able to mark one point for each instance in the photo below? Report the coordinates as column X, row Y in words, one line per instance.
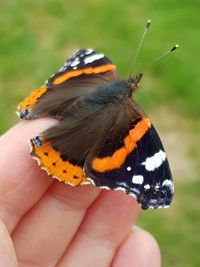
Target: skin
column 46, row 223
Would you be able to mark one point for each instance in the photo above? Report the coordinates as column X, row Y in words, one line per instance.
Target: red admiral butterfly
column 103, row 136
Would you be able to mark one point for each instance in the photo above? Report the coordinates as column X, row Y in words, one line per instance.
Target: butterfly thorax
column 109, row 93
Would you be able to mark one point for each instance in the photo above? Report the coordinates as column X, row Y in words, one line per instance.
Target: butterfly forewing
column 132, row 160
column 80, row 75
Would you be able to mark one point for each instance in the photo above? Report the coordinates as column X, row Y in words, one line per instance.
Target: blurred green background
column 37, row 36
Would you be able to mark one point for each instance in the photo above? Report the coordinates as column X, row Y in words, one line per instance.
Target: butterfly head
column 135, row 81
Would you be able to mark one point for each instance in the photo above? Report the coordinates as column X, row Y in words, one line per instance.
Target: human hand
column 47, row 223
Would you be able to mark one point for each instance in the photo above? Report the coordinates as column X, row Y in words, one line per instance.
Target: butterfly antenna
column 139, row 46
column 159, row 58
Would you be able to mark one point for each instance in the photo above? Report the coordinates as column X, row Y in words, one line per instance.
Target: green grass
column 37, row 36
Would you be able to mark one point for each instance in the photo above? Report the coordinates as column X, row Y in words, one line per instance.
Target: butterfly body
column 111, row 93
column 103, row 137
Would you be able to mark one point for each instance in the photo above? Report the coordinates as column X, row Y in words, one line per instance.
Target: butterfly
column 102, row 137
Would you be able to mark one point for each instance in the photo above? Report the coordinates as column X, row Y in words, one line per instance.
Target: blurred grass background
column 37, row 36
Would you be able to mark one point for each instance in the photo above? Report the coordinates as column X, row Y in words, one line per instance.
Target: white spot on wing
column 89, row 51
column 155, row 161
column 167, row 182
column 138, row 179
column 147, row 186
column 75, row 62
column 157, row 187
column 128, row 168
column 92, row 58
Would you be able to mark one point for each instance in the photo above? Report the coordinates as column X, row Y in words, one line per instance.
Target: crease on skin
column 101, row 241
column 71, row 203
column 24, row 263
column 5, row 211
column 98, row 242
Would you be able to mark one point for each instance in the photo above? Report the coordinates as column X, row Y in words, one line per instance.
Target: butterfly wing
column 61, row 150
column 80, row 75
column 131, row 158
column 58, row 150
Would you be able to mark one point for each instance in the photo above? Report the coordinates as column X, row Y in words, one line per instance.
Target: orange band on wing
column 74, row 73
column 50, row 160
column 30, row 100
column 119, row 156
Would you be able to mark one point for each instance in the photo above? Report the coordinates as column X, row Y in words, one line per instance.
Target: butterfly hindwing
column 132, row 159
column 62, row 149
column 52, row 162
column 80, row 75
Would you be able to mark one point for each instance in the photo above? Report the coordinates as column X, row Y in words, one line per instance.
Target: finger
column 107, row 223
column 22, row 182
column 44, row 233
column 139, row 250
column 7, row 252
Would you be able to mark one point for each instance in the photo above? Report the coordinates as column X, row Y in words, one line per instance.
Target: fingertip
column 30, row 128
column 147, row 240
column 140, row 249
column 16, row 138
